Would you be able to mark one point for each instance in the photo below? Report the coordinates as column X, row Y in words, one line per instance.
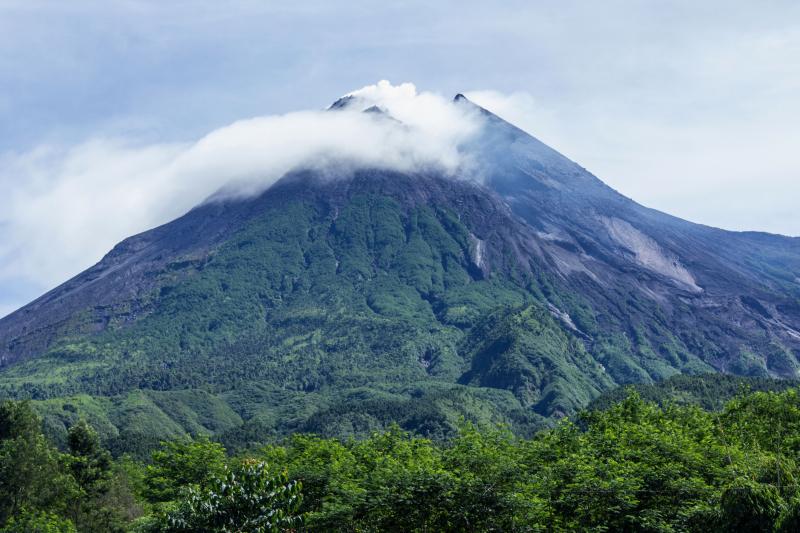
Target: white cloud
column 63, row 208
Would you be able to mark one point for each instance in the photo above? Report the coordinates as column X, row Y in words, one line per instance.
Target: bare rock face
column 647, row 253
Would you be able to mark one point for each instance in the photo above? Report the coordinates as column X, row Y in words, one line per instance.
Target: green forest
column 629, row 464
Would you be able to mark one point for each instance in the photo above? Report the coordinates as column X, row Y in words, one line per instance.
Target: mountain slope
column 725, row 295
column 340, row 304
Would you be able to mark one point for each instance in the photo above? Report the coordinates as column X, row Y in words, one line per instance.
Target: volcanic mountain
column 341, row 300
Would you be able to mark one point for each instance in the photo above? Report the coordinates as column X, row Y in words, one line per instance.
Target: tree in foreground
column 182, row 464
column 247, row 498
column 38, row 522
column 31, row 473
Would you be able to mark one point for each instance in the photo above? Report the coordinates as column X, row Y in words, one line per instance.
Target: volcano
column 342, row 300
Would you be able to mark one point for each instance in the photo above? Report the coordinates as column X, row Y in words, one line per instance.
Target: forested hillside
column 709, row 391
column 633, row 466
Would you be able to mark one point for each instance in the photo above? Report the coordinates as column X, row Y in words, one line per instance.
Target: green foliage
column 42, row 489
column 709, row 391
column 31, row 471
column 182, row 464
column 750, row 507
column 38, row 522
column 634, row 466
column 248, row 498
column 524, row 350
column 90, row 463
column 99, row 500
column 638, row 467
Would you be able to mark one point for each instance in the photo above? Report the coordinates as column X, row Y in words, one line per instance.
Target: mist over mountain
column 65, row 208
column 396, row 258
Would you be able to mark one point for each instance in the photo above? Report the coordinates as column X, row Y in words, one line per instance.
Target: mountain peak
column 342, row 285
column 342, row 103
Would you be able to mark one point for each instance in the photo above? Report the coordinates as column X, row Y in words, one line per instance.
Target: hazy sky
column 689, row 107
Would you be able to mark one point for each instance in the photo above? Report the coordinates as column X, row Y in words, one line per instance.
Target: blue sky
column 689, row 107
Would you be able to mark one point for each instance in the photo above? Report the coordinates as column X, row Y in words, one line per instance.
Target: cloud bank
column 63, row 208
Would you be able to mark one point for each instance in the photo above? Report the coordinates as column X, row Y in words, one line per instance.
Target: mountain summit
column 342, row 299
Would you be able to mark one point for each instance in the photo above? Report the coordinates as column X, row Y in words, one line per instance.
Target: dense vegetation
column 633, row 466
column 709, row 391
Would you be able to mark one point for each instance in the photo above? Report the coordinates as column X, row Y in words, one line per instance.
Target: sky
column 688, row 107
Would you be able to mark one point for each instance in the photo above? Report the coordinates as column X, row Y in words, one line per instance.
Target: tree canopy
column 634, row 466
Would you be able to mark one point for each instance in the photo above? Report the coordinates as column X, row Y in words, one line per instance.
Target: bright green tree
column 248, row 498
column 90, row 463
column 182, row 464
column 31, row 473
column 92, row 469
column 38, row 522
